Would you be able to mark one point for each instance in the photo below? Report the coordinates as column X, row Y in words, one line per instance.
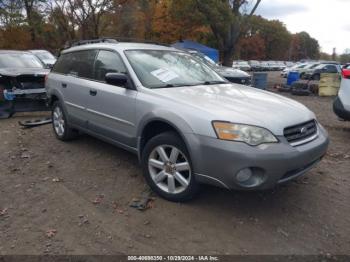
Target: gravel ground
column 73, row 198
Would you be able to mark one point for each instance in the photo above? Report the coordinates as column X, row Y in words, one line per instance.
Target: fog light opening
column 250, row 177
column 244, row 175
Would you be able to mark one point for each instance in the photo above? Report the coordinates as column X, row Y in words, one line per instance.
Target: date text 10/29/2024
column 173, row 258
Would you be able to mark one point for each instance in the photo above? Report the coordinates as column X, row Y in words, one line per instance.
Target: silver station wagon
column 186, row 123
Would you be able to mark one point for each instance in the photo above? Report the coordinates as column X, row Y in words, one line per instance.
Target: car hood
column 240, row 104
column 49, row 61
column 23, row 71
column 230, row 72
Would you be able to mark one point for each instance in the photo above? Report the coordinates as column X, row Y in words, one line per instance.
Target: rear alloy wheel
column 60, row 126
column 167, row 168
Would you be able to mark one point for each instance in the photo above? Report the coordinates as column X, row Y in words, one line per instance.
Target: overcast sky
column 326, row 20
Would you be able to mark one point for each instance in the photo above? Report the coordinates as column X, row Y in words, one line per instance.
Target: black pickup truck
column 22, row 83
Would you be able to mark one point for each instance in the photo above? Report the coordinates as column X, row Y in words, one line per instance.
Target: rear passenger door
column 76, row 85
column 111, row 108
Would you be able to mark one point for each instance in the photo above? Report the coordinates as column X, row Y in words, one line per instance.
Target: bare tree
column 227, row 20
column 10, row 12
column 87, row 14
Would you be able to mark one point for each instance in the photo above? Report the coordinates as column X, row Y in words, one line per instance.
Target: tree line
column 228, row 25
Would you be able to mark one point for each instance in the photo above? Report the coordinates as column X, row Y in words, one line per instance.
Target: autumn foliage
column 51, row 24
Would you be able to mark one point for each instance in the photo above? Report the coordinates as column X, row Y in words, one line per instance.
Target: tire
column 316, row 77
column 161, row 168
column 60, row 125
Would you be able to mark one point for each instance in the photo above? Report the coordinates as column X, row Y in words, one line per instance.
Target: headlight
column 251, row 135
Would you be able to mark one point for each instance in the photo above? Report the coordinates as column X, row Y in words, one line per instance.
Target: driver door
column 111, row 109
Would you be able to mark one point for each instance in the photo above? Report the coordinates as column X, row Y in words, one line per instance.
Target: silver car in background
column 45, row 57
column 186, row 123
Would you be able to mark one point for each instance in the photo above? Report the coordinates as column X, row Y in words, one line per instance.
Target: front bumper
column 340, row 110
column 218, row 162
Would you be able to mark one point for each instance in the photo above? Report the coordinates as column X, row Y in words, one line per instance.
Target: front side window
column 19, row 60
column 108, row 62
column 162, row 68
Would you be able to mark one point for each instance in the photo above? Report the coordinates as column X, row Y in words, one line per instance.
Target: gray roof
column 121, row 46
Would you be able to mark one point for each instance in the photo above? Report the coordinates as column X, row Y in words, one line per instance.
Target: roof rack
column 94, row 41
column 113, row 40
column 136, row 40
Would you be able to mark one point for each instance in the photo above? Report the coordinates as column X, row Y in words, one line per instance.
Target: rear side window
column 62, row 64
column 78, row 64
column 107, row 62
column 82, row 64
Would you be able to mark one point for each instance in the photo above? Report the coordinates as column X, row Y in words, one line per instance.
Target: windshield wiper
column 214, row 82
column 175, row 85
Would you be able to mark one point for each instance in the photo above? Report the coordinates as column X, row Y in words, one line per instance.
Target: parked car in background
column 294, row 68
column 45, row 56
column 242, row 65
column 289, row 63
column 255, row 65
column 185, row 122
column 307, row 68
column 345, row 71
column 341, row 105
column 281, row 65
column 273, row 66
column 265, row 66
column 231, row 74
column 315, row 73
column 22, row 77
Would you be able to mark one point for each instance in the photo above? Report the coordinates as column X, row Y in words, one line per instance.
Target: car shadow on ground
column 210, row 197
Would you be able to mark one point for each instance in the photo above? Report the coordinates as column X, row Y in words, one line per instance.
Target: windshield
column 45, row 55
column 313, row 66
column 17, row 60
column 161, row 68
column 320, row 66
column 207, row 60
column 309, row 66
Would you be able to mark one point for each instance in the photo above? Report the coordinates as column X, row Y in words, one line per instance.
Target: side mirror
column 116, row 79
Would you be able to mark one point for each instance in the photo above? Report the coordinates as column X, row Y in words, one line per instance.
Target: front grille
column 301, row 132
column 31, row 81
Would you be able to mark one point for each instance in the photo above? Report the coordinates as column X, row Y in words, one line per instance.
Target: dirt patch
column 74, row 198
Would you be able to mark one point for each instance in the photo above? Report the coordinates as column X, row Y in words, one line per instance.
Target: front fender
column 168, row 117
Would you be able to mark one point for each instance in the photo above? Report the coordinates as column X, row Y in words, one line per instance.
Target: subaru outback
column 186, row 123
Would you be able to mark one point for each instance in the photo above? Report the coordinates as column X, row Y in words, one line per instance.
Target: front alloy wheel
column 167, row 167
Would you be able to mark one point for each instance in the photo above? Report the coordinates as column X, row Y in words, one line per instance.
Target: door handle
column 93, row 92
column 64, row 85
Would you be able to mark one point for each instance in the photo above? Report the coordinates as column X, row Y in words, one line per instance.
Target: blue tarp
column 208, row 51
